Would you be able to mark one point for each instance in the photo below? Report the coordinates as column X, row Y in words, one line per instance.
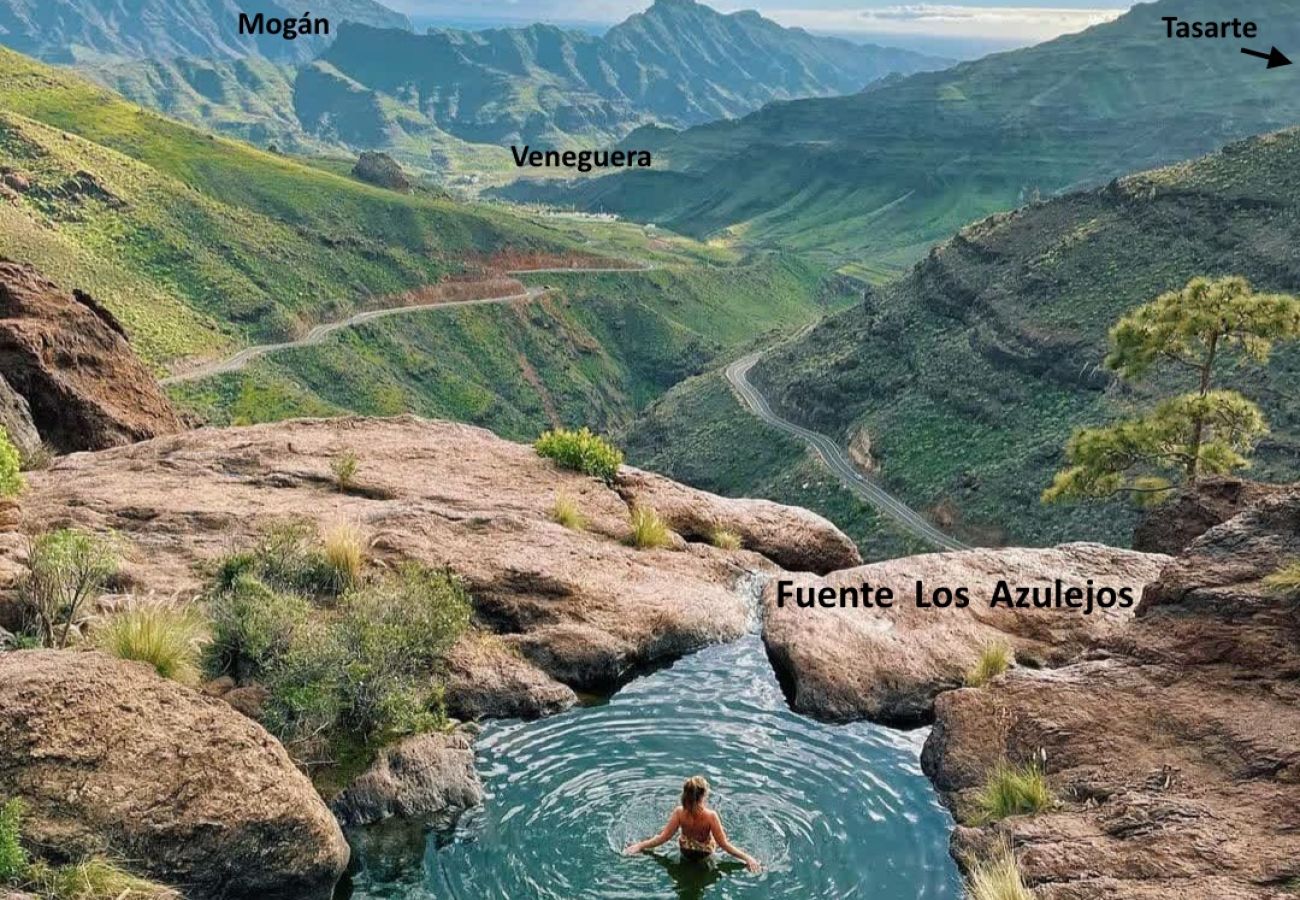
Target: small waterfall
column 750, row 585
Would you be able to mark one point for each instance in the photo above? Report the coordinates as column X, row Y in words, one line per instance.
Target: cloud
column 1012, row 23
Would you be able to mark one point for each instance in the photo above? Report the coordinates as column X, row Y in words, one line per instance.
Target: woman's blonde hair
column 694, row 791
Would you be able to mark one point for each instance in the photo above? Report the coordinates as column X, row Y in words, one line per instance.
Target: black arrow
column 1276, row 58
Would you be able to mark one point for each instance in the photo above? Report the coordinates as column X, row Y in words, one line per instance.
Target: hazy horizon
column 953, row 29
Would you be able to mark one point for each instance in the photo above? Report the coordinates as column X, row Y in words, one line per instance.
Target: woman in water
column 700, row 826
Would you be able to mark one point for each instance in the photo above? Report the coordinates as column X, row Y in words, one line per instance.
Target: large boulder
column 111, row 759
column 381, row 170
column 1172, row 747
column 70, row 360
column 580, row 605
column 888, row 664
column 1195, row 509
column 429, row 777
column 791, row 537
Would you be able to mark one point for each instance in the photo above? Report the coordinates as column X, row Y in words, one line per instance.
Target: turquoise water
column 832, row 811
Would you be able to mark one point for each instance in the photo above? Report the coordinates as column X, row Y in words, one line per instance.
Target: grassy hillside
column 594, row 351
column 969, row 374
column 700, row 435
column 450, row 101
column 874, row 178
column 200, row 242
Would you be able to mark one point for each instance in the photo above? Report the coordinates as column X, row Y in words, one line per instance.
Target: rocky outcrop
column 888, row 664
column 16, row 420
column 381, row 170
column 427, row 777
column 111, row 759
column 1173, row 746
column 579, row 607
column 70, row 360
column 1195, row 509
column 488, row 679
column 791, row 537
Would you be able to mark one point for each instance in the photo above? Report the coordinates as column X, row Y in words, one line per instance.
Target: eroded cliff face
column 1172, row 745
column 70, row 361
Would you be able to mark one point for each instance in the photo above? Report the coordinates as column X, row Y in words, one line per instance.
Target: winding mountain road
column 318, row 334
column 836, row 460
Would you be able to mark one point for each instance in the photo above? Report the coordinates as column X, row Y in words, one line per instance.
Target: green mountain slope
column 678, row 63
column 595, row 351
column 202, row 246
column 450, row 101
column 67, row 31
column 243, row 245
column 876, row 177
column 968, row 375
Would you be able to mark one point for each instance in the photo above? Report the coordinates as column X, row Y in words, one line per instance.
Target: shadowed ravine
column 832, row 811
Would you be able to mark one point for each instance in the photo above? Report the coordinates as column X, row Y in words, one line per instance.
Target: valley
column 897, row 458
column 872, row 179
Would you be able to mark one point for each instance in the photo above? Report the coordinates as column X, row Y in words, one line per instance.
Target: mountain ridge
column 876, row 177
column 678, row 63
column 69, row 31
column 965, row 378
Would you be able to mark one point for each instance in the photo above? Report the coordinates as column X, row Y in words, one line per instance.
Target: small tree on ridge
column 1208, row 431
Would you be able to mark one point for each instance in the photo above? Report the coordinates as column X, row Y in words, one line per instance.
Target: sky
column 991, row 23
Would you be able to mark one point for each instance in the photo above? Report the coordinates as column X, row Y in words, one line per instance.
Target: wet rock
column 430, row 777
column 1195, row 509
column 69, row 359
column 109, row 758
column 888, row 664
column 789, row 536
column 1173, row 745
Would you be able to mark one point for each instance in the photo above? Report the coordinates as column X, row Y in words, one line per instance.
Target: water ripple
column 832, row 811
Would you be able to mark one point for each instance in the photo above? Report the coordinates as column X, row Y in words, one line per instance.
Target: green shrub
column 288, row 557
column 648, row 530
column 997, row 878
column 581, row 451
column 567, row 513
column 13, row 859
column 253, row 627
column 393, row 635
column 370, row 668
column 994, row 660
column 66, row 569
column 1012, row 791
column 168, row 638
column 725, row 539
column 344, row 466
column 1285, row 580
column 11, row 479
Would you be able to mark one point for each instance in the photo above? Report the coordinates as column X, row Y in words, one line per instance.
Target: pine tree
column 1208, row 431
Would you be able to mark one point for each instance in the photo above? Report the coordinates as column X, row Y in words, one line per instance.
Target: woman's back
column 697, row 824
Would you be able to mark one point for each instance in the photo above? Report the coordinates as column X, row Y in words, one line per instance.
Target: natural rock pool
column 832, row 811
